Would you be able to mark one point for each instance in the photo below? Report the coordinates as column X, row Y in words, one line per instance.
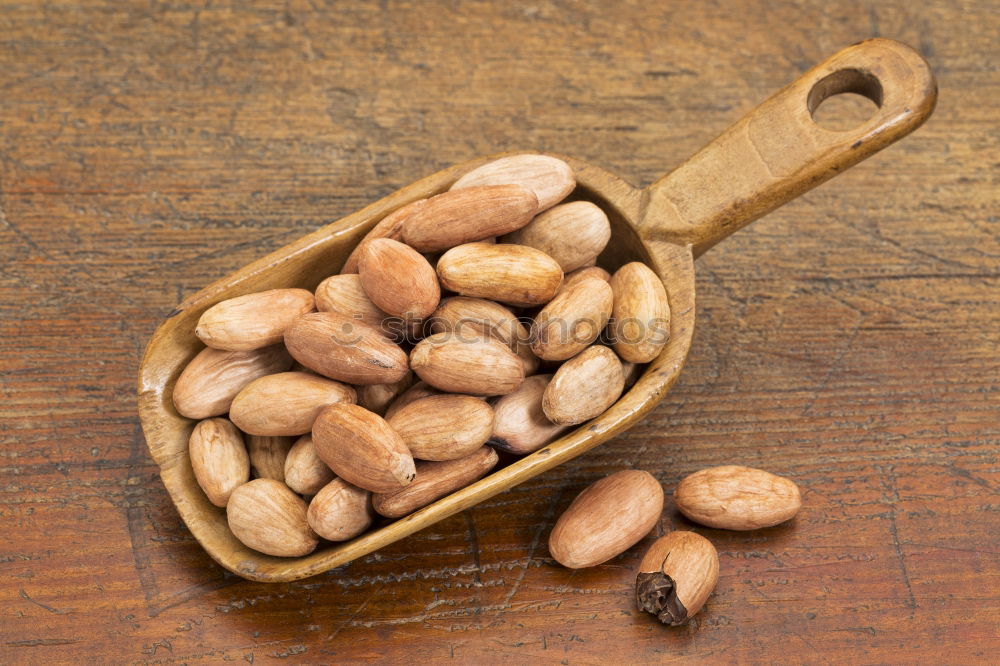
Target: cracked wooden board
column 860, row 323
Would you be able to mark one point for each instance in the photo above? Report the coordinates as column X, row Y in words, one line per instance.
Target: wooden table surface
column 849, row 340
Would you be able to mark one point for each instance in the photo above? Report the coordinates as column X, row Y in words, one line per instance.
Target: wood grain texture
column 849, row 340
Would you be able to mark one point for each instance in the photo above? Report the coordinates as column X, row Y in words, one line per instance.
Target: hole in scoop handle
column 777, row 151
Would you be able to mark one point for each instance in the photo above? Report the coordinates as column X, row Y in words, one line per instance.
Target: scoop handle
column 777, row 151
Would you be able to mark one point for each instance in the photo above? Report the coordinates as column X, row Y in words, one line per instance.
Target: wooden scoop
column 767, row 158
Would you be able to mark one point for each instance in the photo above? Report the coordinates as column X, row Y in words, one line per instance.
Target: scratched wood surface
column 849, row 340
